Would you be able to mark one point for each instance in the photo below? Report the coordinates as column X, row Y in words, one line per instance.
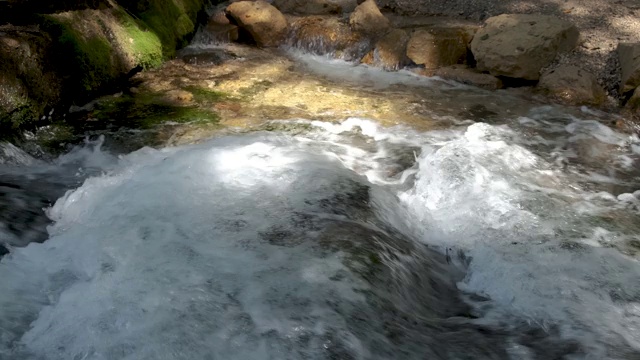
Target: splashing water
column 348, row 242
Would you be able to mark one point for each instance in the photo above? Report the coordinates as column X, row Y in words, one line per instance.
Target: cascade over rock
column 390, row 51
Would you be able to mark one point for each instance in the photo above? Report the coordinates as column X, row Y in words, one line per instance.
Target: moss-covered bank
column 50, row 61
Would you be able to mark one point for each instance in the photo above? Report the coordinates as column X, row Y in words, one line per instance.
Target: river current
column 511, row 239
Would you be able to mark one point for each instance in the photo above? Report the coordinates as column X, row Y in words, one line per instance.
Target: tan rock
column 315, row 7
column 439, row 46
column 264, row 22
column 390, row 51
column 367, row 19
column 572, row 85
column 465, row 75
column 519, row 46
column 629, row 57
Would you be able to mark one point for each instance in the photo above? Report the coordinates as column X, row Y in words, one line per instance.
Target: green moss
column 144, row 44
column 148, row 110
column 202, row 95
column 171, row 21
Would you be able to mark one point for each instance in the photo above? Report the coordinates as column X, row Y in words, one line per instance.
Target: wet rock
column 315, row 7
column 390, row 51
column 266, row 24
column 367, row 19
column 468, row 76
column 327, row 35
column 439, row 46
column 519, row 46
column 629, row 58
column 572, row 85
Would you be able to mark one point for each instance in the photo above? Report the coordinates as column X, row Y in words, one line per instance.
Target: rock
column 629, row 57
column 315, row 7
column 439, row 46
column 633, row 103
column 327, row 35
column 3, row 251
column 465, row 75
column 27, row 86
column 519, row 46
column 573, row 86
column 390, row 51
column 266, row 24
column 367, row 19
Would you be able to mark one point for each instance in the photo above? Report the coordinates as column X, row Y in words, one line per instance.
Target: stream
column 514, row 236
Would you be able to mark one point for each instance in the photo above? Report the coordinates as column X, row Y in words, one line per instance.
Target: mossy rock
column 171, row 20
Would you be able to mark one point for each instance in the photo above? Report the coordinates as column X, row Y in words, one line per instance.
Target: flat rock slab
column 519, row 46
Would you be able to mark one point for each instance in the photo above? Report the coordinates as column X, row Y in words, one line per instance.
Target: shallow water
column 514, row 238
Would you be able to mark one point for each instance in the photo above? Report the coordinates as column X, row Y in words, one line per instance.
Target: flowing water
column 515, row 239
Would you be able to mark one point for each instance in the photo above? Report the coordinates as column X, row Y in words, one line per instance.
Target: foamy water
column 350, row 242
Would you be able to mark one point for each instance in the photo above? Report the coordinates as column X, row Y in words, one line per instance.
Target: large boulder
column 390, row 51
column 519, row 46
column 629, row 56
column 266, row 24
column 439, row 46
column 315, row 7
column 465, row 75
column 573, row 86
column 367, row 19
column 327, row 35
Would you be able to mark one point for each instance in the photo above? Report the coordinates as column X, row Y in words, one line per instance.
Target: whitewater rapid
column 349, row 241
